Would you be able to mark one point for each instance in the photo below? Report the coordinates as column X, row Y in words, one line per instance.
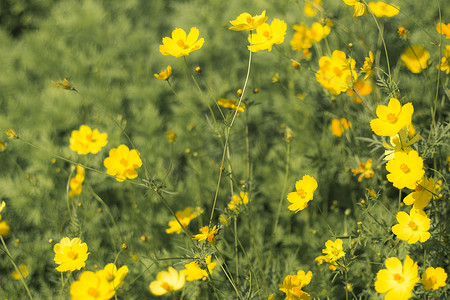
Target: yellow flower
column 334, row 250
column 382, row 9
column 207, row 234
column 197, row 269
column 403, row 33
column 164, row 74
column 70, row 254
column 362, row 87
column 76, row 183
column 292, row 285
column 367, row 67
column 434, row 278
column 443, row 29
column 392, row 118
column 4, row 227
column 11, row 133
column 319, row 32
column 397, row 280
column 338, row 126
column 268, row 35
column 65, row 84
column 113, row 276
column 400, row 142
column 405, row 169
column 86, row 140
column 359, row 7
column 445, row 61
column 337, row 73
column 180, row 44
column 304, row 193
column 167, row 281
column 238, row 201
column 413, row 227
column 415, row 58
column 246, row 22
column 185, row 217
column 2, row 146
column 229, row 103
column 365, row 169
column 91, row 285
column 302, row 38
column 171, row 136
column 23, row 272
column 312, row 7
column 122, row 163
column 324, row 259
column 422, row 193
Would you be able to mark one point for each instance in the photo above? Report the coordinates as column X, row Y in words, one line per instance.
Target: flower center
column 124, row 162
column 181, row 44
column 404, row 168
column 266, row 34
column 249, row 20
column 89, row 137
column 412, row 225
column 301, row 193
column 398, row 278
column 432, row 280
column 72, row 255
column 93, row 292
column 418, row 188
column 392, row 117
column 166, row 286
column 337, row 71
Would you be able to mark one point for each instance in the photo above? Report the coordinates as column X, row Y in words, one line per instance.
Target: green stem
column 283, row 190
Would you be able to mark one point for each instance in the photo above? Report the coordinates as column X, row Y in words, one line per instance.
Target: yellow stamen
column 404, row 168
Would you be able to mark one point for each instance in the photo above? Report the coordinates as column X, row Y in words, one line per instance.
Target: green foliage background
column 109, row 50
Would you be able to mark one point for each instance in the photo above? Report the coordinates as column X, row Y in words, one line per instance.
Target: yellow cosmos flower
column 91, row 285
column 392, row 118
column 359, row 7
column 324, row 259
column 403, row 33
column 238, row 201
column 185, row 217
column 397, row 280
column 400, row 142
column 338, row 126
column 246, row 22
column 122, row 163
column 319, row 32
column 229, row 103
column 302, row 38
column 70, row 254
column 197, row 269
column 207, row 234
column 367, row 67
column 305, row 192
column 86, row 140
column 292, row 285
column 76, row 183
column 23, row 272
column 336, row 73
column 11, row 133
column 268, row 35
column 362, row 87
column 422, row 193
column 171, row 136
column 312, row 7
column 2, row 146
column 405, row 170
column 365, row 169
column 4, row 227
column 65, row 84
column 381, row 9
column 113, row 275
column 415, row 58
column 434, row 278
column 164, row 74
column 443, row 29
column 413, row 227
column 334, row 250
column 180, row 44
column 167, row 281
column 445, row 61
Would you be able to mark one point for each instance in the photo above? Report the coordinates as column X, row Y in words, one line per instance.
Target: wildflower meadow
column 292, row 149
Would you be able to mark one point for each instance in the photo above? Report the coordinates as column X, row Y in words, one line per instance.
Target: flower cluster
column 304, row 37
column 337, row 73
column 229, row 103
column 238, row 201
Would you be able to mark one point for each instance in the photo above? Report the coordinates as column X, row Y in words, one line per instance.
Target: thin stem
column 399, row 199
column 226, row 272
column 283, row 190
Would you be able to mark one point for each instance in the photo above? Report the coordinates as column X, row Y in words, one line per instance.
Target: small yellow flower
column 86, row 140
column 238, row 201
column 365, row 169
column 403, row 33
column 268, row 35
column 434, row 278
column 413, row 227
column 324, row 259
column 113, row 275
column 338, row 126
column 443, row 29
column 319, row 32
column 122, row 163
column 367, row 67
column 422, row 193
column 415, row 58
column 246, row 22
column 65, row 84
column 197, row 269
column 359, row 7
column 312, row 7
column 167, row 281
column 405, row 170
column 397, row 280
column 180, row 44
column 171, row 136
column 76, row 183
column 207, row 234
column 23, row 272
column 11, row 133
column 2, row 146
column 302, row 38
column 392, row 118
column 70, row 254
column 292, row 285
column 334, row 250
column 229, row 103
column 304, row 193
column 185, row 217
column 4, row 227
column 445, row 61
column 362, row 87
column 164, row 74
column 381, row 9
column 91, row 285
